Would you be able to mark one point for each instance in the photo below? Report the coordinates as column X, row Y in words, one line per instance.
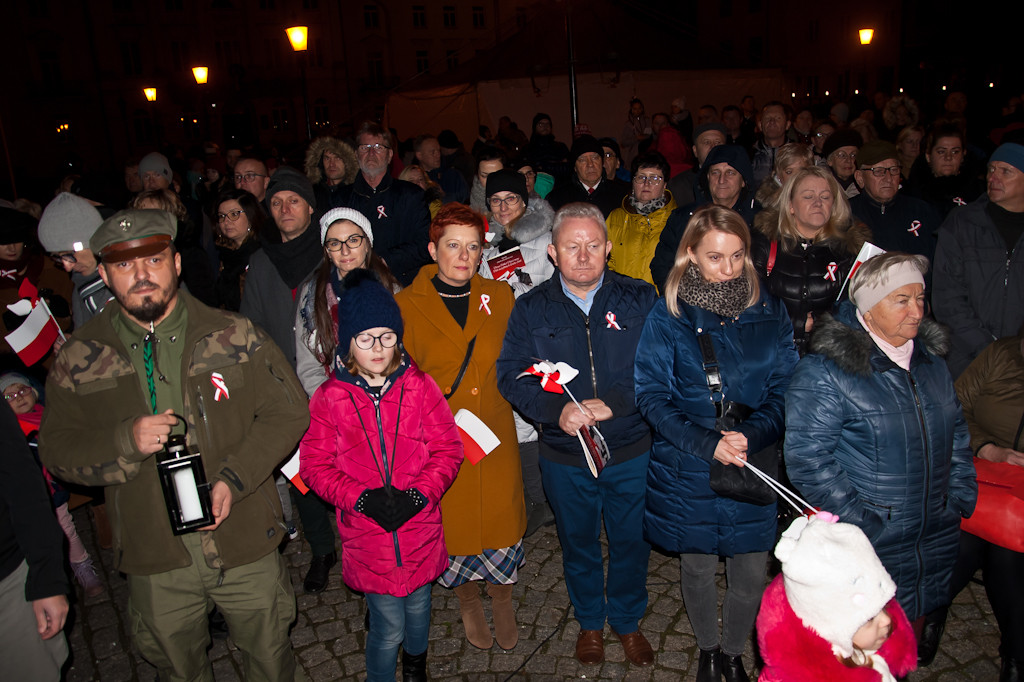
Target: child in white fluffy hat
column 831, row 615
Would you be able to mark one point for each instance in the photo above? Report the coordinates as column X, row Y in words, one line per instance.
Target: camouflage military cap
column 133, row 233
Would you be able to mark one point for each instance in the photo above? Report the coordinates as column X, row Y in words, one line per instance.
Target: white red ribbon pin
column 959, row 201
column 381, row 213
column 914, row 227
column 553, row 375
column 217, row 379
column 9, row 274
column 830, row 271
column 484, row 300
column 610, row 319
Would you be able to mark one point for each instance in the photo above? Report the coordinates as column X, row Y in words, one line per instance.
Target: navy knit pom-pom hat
column 365, row 303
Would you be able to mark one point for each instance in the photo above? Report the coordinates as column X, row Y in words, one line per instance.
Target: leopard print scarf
column 727, row 299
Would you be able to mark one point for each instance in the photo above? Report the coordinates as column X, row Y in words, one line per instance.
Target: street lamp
column 298, row 36
column 150, row 94
column 866, row 34
column 201, row 73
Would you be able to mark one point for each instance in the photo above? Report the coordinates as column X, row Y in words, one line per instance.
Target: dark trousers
column 316, row 521
column 1003, row 571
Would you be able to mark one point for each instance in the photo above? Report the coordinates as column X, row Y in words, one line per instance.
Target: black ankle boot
column 732, row 669
column 709, row 668
column 1012, row 670
column 931, row 635
column 414, row 668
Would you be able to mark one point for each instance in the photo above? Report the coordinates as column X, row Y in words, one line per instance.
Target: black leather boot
column 732, row 669
column 414, row 668
column 931, row 635
column 709, row 668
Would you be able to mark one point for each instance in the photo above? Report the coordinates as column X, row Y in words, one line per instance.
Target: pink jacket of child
column 341, row 457
column 792, row 652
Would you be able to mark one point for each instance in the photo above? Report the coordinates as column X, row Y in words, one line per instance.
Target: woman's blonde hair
column 704, row 220
column 841, row 214
column 165, row 199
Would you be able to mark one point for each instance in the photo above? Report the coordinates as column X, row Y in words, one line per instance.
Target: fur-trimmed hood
column 314, row 167
column 842, row 340
column 852, row 236
column 535, row 221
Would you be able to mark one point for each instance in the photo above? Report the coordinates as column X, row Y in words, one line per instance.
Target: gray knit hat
column 155, row 161
column 67, row 223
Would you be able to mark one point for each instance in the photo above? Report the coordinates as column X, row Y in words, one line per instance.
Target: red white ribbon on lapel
column 548, row 380
column 959, row 201
column 484, row 300
column 381, row 213
column 830, row 271
column 9, row 274
column 610, row 318
column 217, row 379
column 914, row 227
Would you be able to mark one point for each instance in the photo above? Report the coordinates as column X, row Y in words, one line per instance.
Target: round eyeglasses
column 366, row 341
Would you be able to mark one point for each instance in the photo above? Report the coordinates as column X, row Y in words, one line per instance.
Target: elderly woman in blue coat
column 713, row 290
column 875, row 433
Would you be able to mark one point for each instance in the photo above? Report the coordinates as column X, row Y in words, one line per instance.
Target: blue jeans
column 395, row 622
column 580, row 501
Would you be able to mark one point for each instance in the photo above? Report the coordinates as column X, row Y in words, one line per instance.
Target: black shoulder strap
column 709, row 362
column 462, row 369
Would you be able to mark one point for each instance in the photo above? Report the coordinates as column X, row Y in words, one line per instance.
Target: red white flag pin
column 610, row 319
column 484, row 300
column 831, row 270
column 217, row 379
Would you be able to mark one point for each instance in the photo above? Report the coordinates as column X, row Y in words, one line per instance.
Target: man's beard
column 149, row 309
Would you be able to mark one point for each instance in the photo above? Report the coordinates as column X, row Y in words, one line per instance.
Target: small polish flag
column 35, row 337
column 867, row 252
column 290, row 469
column 478, row 440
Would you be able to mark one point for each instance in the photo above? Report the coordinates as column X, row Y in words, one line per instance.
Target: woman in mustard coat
column 446, row 308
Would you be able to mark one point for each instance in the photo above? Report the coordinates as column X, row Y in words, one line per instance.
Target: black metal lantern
column 186, row 491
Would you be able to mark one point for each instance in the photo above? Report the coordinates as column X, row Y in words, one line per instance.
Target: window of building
column 226, row 52
column 451, row 58
column 316, row 55
column 190, row 125
column 371, row 16
column 813, row 29
column 131, row 61
column 321, row 114
column 756, row 47
column 279, row 116
column 419, row 16
column 179, row 55
column 449, row 16
column 478, row 16
column 143, row 128
column 422, row 62
column 375, row 69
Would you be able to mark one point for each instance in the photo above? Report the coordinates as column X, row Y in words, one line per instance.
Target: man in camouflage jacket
column 110, row 409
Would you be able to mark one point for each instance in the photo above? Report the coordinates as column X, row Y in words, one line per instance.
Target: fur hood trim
column 535, row 222
column 851, row 348
column 314, row 167
column 852, row 237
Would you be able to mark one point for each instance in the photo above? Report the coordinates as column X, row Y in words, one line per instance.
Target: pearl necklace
column 453, row 295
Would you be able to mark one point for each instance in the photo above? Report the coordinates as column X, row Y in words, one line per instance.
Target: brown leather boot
column 472, row 609
column 506, row 633
column 104, row 538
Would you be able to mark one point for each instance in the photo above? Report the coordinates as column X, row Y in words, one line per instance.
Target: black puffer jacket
column 806, row 275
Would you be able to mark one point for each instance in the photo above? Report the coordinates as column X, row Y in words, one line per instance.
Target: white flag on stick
column 867, row 252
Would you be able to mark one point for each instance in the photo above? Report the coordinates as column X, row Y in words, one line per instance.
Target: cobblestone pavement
column 328, row 637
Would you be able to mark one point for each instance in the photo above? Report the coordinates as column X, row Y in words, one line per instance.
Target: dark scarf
column 294, row 260
column 727, row 299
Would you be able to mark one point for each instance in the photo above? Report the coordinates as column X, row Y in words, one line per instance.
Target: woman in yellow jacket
column 451, row 313
column 635, row 228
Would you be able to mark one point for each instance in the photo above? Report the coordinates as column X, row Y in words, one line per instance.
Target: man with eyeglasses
column 588, row 182
column 979, row 262
column 270, row 300
column 251, row 175
column 65, row 227
column 395, row 208
column 898, row 222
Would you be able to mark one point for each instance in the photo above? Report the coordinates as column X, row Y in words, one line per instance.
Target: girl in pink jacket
column 382, row 447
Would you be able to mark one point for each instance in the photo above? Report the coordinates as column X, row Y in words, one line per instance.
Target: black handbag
column 734, row 482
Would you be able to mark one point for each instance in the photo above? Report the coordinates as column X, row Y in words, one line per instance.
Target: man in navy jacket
column 591, row 319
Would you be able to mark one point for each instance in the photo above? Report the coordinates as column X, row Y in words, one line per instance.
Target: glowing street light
column 201, row 74
column 150, row 94
column 298, row 36
column 866, row 34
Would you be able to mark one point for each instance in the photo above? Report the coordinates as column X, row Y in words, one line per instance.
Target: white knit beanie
column 349, row 214
column 67, row 223
column 834, row 581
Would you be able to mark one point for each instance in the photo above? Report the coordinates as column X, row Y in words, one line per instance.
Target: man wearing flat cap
column 979, row 262
column 588, row 182
column 114, row 397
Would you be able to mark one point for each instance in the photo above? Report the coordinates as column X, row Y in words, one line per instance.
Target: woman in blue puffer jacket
column 875, row 433
column 713, row 289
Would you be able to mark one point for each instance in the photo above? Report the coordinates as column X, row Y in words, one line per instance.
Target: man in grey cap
column 155, row 171
column 114, row 396
column 270, row 300
column 67, row 224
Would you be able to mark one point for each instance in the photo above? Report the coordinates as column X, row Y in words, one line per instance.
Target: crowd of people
column 461, row 347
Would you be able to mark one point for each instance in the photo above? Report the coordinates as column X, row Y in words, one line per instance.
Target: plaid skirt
column 498, row 566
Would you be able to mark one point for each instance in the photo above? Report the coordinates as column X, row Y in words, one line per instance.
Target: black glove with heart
column 379, row 505
column 408, row 504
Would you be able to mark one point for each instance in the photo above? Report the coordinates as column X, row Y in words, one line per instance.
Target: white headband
column 349, row 214
column 866, row 297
